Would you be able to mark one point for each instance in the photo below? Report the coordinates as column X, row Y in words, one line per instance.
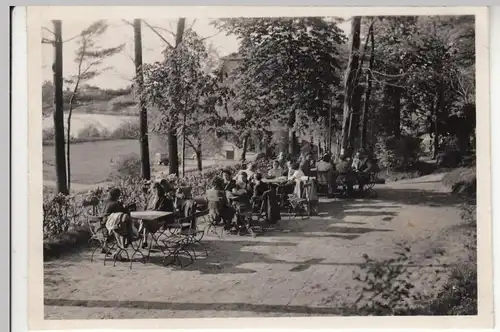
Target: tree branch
column 386, row 75
column 190, row 143
column 67, row 40
column 215, row 34
column 194, row 21
column 47, row 29
column 157, row 33
column 164, row 29
column 129, row 23
column 47, row 41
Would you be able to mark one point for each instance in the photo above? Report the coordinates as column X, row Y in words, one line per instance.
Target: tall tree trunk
column 143, row 137
column 245, row 147
column 173, row 152
column 366, row 108
column 292, row 138
column 198, row 152
column 350, row 85
column 61, row 180
column 183, row 145
column 282, row 138
column 172, row 133
column 68, row 146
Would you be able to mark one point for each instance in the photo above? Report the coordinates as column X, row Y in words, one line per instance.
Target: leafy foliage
column 386, row 285
column 126, row 130
column 59, row 212
column 91, row 131
column 186, row 89
column 126, row 167
column 424, row 68
column 289, row 70
column 397, row 153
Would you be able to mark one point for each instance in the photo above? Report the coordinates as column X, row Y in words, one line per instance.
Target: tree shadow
column 225, row 256
column 418, row 197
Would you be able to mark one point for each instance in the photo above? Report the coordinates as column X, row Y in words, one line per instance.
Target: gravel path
column 304, row 270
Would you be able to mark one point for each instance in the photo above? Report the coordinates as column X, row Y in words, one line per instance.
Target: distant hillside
column 92, row 99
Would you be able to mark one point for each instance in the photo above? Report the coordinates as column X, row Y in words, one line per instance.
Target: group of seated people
column 162, row 197
column 229, row 195
column 346, row 170
column 236, row 193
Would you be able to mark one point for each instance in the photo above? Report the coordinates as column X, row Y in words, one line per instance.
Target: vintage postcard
column 194, row 164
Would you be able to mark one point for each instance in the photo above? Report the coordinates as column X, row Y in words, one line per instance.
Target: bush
column 462, row 181
column 126, row 167
column 449, row 159
column 59, row 213
column 91, row 131
column 459, row 295
column 419, row 168
column 398, row 154
column 120, row 105
column 126, row 130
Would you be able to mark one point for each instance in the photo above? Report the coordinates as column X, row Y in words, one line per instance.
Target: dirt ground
column 304, row 269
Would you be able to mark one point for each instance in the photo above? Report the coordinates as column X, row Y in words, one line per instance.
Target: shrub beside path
column 304, row 270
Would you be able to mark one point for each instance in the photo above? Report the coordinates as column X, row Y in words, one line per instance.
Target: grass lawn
column 91, row 162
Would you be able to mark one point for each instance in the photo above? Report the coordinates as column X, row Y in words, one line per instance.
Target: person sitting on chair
column 365, row 168
column 118, row 221
column 305, row 164
column 324, row 166
column 244, row 186
column 288, row 171
column 228, row 183
column 345, row 171
column 249, row 171
column 218, row 205
column 297, row 173
column 276, row 171
column 259, row 187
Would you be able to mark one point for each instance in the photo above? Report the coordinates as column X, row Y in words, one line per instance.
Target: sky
column 119, row 32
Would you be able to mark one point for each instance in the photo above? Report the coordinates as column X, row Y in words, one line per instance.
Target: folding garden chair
column 99, row 235
column 301, row 205
column 256, row 220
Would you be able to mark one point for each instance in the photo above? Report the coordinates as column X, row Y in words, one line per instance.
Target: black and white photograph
column 239, row 166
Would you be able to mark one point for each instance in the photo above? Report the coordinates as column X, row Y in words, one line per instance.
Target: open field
column 91, row 162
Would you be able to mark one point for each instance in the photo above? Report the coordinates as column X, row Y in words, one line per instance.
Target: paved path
column 305, row 270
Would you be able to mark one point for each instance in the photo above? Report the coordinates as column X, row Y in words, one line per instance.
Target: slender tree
column 352, row 93
column 61, row 179
column 187, row 96
column 143, row 136
column 88, row 57
column 366, row 106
